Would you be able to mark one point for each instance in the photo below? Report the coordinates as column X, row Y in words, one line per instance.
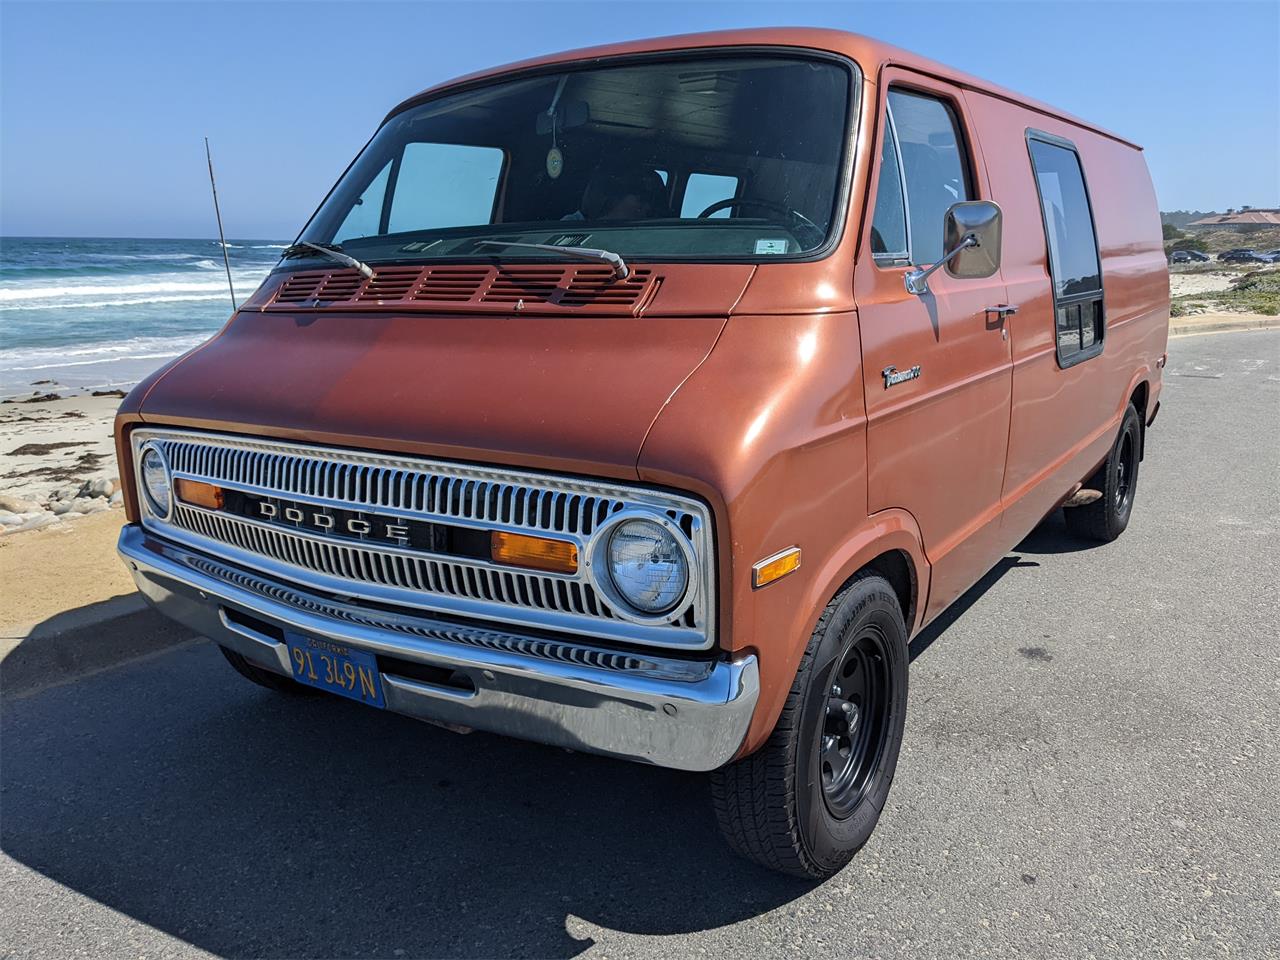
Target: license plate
column 336, row 668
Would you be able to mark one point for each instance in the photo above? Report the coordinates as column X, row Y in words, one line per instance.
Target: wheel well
column 895, row 566
column 1139, row 400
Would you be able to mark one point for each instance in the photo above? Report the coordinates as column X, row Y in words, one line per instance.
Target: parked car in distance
column 611, row 401
column 1188, row 256
column 1241, row 255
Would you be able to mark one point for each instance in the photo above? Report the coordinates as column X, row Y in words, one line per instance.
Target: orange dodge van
column 647, row 399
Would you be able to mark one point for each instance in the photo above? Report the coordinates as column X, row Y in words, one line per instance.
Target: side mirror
column 980, row 219
column 971, row 237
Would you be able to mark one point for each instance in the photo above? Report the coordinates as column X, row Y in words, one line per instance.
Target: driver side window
column 923, row 171
column 429, row 185
column 444, row 184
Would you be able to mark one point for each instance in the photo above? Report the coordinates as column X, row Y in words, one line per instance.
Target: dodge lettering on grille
column 336, row 522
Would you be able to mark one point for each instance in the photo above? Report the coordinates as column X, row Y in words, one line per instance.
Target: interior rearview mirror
column 981, row 219
column 971, row 239
column 567, row 115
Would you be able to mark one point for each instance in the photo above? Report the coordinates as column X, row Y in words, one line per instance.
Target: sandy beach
column 1181, row 284
column 64, row 566
column 57, row 459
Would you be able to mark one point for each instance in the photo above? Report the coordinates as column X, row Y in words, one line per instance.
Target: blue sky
column 103, row 105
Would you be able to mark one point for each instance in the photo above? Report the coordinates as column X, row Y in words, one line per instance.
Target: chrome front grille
column 459, row 495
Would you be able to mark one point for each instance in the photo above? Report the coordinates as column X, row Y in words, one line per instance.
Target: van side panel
column 1063, row 421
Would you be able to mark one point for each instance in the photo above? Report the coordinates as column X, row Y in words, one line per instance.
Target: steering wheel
column 794, row 217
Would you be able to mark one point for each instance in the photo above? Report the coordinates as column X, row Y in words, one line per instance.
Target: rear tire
column 265, row 678
column 1117, row 479
column 806, row 801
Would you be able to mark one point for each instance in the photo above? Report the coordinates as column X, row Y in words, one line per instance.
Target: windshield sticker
column 771, row 246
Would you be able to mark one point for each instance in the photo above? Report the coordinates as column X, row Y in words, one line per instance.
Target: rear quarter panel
column 1063, row 421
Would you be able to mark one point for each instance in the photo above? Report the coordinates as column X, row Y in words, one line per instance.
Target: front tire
column 1106, row 518
column 807, row 800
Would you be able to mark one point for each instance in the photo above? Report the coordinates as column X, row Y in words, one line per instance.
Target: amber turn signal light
column 198, row 493
column 536, row 553
column 775, row 567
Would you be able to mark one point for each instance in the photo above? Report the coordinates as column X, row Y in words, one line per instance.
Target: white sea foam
column 68, row 293
column 269, row 246
column 139, row 256
column 242, row 293
column 20, row 359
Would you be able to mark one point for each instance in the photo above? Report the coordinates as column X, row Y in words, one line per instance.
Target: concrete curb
column 1190, row 329
column 83, row 641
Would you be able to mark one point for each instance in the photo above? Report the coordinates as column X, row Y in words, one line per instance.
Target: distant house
column 1242, row 220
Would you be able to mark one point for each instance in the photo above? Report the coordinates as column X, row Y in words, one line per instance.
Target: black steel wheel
column 1117, row 480
column 856, row 722
column 1126, row 472
column 806, row 801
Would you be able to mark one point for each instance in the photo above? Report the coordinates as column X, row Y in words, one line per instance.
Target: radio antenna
column 226, row 260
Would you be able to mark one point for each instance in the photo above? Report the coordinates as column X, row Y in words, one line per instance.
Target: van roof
column 870, row 54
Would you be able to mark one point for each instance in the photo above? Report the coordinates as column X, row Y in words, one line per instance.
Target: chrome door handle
column 1001, row 310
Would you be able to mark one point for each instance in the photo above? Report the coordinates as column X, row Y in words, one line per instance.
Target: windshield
column 715, row 158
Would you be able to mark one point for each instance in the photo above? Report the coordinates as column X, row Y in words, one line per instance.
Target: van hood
column 565, row 393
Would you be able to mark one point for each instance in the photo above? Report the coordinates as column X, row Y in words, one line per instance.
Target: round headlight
column 647, row 566
column 155, row 481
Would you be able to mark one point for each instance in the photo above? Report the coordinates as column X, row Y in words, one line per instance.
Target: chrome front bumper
column 686, row 714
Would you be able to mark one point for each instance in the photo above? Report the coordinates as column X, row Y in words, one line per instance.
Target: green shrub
column 1255, row 292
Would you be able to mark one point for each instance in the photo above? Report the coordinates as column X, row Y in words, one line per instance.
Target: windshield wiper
column 620, row 269
column 333, row 253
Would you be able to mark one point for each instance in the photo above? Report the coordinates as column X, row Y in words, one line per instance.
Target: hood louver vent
column 492, row 289
column 449, row 284
column 584, row 286
column 391, row 283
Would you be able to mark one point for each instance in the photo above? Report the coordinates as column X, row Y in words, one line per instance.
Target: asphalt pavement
column 1090, row 769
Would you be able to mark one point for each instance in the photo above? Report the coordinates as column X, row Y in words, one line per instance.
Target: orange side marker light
column 775, row 567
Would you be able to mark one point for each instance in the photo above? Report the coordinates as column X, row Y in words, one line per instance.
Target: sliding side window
column 1072, row 242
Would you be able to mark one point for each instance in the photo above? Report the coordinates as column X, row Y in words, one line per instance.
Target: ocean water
column 81, row 314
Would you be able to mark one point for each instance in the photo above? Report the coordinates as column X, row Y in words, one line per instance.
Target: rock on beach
column 57, row 461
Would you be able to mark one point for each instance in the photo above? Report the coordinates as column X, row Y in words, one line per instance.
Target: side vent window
column 1072, row 242
column 366, row 214
column 889, row 223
